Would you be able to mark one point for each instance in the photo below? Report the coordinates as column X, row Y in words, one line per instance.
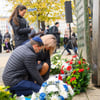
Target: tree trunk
column 38, row 24
column 43, row 25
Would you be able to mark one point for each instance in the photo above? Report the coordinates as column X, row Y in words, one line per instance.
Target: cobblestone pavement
column 92, row 92
column 3, row 59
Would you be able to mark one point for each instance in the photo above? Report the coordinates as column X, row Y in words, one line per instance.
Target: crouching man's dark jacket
column 22, row 65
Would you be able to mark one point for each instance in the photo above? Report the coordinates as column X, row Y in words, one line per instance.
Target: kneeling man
column 22, row 69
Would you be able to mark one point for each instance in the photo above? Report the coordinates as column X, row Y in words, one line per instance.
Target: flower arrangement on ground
column 5, row 94
column 56, row 63
column 80, row 75
column 54, row 89
column 66, row 68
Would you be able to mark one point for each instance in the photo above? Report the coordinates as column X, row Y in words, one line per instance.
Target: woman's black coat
column 44, row 56
column 21, row 31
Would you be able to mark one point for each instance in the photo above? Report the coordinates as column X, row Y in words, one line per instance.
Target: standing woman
column 20, row 26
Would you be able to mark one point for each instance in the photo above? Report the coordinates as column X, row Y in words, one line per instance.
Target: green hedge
column 61, row 41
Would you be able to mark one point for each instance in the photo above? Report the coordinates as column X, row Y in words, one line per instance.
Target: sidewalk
column 92, row 92
column 3, row 60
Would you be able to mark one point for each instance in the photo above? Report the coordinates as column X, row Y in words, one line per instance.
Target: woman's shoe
column 69, row 53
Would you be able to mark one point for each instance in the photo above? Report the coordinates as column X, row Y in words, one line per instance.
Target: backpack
column 51, row 30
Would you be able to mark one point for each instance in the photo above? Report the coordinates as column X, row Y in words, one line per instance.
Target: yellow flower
column 1, row 87
column 2, row 90
column 7, row 92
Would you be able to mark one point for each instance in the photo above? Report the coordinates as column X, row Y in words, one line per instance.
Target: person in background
column 90, row 28
column 65, row 41
column 32, row 34
column 7, row 35
column 70, row 44
column 46, row 30
column 73, row 34
column 7, row 46
column 0, row 42
column 39, row 29
column 54, row 30
column 7, row 38
column 19, row 25
column 75, row 46
column 22, row 72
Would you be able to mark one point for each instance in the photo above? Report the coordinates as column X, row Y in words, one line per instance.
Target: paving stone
column 3, row 60
column 94, row 97
column 81, row 96
column 93, row 92
column 1, row 71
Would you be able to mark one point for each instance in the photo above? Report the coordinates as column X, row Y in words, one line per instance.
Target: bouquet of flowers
column 66, row 68
column 80, row 75
column 54, row 89
column 5, row 94
column 55, row 63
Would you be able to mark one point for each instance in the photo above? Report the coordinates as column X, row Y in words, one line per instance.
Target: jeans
column 75, row 50
column 67, row 48
column 25, row 88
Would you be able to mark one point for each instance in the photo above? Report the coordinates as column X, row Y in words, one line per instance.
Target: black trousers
column 0, row 48
column 58, row 41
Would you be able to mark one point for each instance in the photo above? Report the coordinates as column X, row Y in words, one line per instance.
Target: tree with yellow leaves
column 47, row 10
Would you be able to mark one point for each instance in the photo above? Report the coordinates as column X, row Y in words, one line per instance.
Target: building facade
column 3, row 24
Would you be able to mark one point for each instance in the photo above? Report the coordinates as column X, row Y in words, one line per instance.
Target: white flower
column 64, row 94
column 59, row 61
column 52, row 88
column 70, row 90
column 61, row 87
column 61, row 82
column 52, row 79
column 53, row 66
column 62, row 61
column 33, row 96
column 22, row 97
column 54, row 97
column 42, row 90
column 65, row 65
column 57, row 57
column 88, row 63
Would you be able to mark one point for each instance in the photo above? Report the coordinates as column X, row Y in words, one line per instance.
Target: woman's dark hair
column 15, row 14
column 73, row 34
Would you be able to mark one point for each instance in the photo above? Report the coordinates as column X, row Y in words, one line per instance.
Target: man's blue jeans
column 25, row 88
column 67, row 48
